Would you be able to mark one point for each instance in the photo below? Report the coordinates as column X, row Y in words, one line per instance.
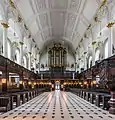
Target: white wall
column 44, row 60
column 70, row 60
column 94, row 35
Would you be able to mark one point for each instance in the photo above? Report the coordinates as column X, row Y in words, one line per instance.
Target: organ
column 57, row 56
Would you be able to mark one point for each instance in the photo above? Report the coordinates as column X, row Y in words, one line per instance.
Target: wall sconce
column 34, row 83
column 64, row 83
column 21, row 82
column 49, row 83
column 94, row 82
column 41, row 83
column 29, row 83
column 80, row 83
column 85, row 83
column 3, row 80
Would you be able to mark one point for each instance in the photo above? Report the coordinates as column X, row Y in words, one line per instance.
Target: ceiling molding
column 57, row 19
column 79, row 14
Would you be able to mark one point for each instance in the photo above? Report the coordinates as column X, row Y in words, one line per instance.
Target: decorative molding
column 85, row 53
column 30, row 53
column 110, row 24
column 19, row 19
column 93, row 43
column 12, row 4
column 14, row 43
column 21, row 43
column 104, row 2
column 5, row 25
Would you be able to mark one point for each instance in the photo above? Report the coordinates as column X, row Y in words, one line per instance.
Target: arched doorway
column 57, row 85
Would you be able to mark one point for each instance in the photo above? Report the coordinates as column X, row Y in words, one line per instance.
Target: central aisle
column 57, row 105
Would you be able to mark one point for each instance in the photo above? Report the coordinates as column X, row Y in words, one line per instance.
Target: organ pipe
column 57, row 56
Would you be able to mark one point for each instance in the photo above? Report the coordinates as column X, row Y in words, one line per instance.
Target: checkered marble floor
column 57, row 105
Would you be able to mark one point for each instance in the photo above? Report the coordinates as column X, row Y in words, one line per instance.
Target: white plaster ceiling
column 57, row 19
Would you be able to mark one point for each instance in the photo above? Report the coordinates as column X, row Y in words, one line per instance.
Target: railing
column 62, row 75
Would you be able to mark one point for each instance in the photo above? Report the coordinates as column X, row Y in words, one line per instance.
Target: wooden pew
column 4, row 103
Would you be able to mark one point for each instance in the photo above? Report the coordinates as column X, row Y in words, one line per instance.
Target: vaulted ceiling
column 57, row 19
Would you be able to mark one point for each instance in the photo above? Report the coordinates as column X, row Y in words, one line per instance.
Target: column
column 85, row 62
column 38, row 61
column 76, row 62
column 29, row 55
column 35, row 61
column 93, row 56
column 67, row 57
column 21, row 51
column 5, row 42
column 110, row 41
column 5, row 34
column 29, row 62
column 47, row 57
column 35, row 66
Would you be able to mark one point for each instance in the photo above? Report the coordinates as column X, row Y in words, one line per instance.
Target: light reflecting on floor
column 57, row 105
column 49, row 98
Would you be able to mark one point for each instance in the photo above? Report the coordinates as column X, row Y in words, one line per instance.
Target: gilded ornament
column 85, row 52
column 79, row 59
column 94, row 42
column 5, row 25
column 19, row 19
column 109, row 25
column 103, row 3
column 85, row 35
column 21, row 43
column 89, row 27
column 25, row 27
column 30, row 53
column 96, row 19
column 12, row 4
column 14, row 43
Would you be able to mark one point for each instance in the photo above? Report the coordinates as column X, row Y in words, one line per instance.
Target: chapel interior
column 57, row 59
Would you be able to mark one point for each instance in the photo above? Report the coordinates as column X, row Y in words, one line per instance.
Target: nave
column 57, row 105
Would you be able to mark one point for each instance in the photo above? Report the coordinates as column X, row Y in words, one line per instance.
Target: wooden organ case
column 57, row 59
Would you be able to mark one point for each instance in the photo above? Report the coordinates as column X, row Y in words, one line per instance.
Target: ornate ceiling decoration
column 58, row 19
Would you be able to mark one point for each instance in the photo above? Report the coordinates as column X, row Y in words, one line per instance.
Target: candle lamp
column 3, row 80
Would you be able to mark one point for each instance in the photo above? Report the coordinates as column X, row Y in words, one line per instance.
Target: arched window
column 82, row 65
column 90, row 62
column 25, row 61
column 9, row 49
column 17, row 56
column 106, row 49
column 97, row 54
